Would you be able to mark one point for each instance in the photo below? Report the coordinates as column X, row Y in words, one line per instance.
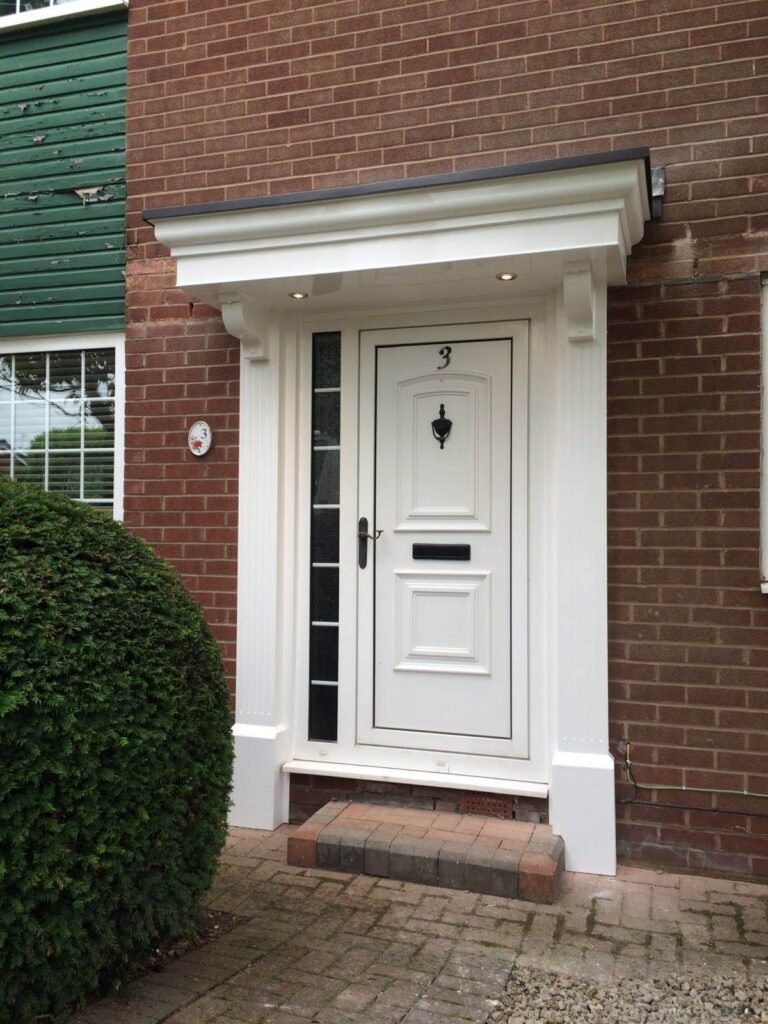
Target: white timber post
column 582, row 807
column 260, row 790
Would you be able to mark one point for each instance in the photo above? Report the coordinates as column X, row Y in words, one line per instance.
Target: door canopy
column 571, row 221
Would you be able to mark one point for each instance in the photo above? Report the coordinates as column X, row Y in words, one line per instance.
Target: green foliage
column 115, row 752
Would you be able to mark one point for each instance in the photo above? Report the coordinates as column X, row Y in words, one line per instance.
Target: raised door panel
column 452, row 490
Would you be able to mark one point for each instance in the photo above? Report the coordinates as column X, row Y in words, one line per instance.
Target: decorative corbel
column 578, row 299
column 248, row 322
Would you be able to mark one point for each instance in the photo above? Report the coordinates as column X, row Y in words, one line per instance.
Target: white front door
column 442, row 463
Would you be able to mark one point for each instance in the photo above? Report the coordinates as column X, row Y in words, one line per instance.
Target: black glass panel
column 325, row 478
column 323, row 713
column 324, row 653
column 324, row 599
column 325, row 535
column 325, row 418
column 324, row 582
column 326, row 360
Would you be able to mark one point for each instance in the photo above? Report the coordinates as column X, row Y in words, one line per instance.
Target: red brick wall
column 182, row 366
column 267, row 96
column 235, row 99
column 689, row 627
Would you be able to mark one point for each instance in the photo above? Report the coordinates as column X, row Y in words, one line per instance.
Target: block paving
column 340, row 948
column 454, row 851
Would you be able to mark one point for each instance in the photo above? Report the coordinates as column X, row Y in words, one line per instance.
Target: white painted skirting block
column 582, row 810
column 259, row 789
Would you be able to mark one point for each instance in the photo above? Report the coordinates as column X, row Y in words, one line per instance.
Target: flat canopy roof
column 402, row 184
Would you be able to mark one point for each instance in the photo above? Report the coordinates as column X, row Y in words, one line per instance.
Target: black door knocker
column 441, row 427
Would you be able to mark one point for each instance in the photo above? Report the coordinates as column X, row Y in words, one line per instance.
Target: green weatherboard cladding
column 62, row 132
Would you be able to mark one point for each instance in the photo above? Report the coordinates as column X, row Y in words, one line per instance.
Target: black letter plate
column 442, row 552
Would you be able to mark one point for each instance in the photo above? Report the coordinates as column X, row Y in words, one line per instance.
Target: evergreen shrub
column 115, row 752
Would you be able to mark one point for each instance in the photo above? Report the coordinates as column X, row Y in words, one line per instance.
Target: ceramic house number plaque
column 200, row 438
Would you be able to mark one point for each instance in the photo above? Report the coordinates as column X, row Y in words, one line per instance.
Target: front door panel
column 442, row 627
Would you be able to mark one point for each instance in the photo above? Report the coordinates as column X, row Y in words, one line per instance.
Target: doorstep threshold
column 514, row 859
column 410, row 776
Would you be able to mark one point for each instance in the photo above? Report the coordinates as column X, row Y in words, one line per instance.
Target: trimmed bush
column 115, row 752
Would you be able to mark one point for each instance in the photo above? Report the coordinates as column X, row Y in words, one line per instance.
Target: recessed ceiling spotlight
column 298, row 295
column 506, row 276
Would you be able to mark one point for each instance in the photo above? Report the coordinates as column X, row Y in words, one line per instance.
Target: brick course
column 271, row 96
column 689, row 643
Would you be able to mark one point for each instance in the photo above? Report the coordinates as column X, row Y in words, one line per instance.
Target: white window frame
column 62, row 10
column 78, row 342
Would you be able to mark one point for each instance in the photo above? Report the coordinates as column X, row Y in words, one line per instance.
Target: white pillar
column 260, row 790
column 582, row 807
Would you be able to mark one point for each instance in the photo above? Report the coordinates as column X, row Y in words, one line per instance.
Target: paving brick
column 451, row 865
column 302, row 845
column 301, row 956
column 477, row 868
column 328, row 847
column 402, row 851
column 377, row 853
column 505, row 866
column 352, row 850
column 397, row 842
column 425, row 861
column 539, row 878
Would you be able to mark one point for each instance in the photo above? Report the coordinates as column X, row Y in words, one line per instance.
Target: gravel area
column 534, row 995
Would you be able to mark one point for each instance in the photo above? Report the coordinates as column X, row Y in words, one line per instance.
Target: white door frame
column 517, row 747
column 527, row 772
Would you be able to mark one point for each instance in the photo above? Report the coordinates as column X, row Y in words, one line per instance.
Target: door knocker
column 445, row 353
column 441, row 427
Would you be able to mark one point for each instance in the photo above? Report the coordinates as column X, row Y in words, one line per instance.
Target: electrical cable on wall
column 624, row 748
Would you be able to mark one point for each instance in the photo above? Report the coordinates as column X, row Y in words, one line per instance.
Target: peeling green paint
column 62, row 177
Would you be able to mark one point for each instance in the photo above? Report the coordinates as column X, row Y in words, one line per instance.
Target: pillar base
column 582, row 810
column 259, row 789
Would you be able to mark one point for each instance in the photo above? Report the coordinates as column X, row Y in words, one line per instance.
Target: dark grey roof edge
column 427, row 181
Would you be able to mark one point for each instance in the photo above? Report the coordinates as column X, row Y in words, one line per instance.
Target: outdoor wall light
column 507, row 275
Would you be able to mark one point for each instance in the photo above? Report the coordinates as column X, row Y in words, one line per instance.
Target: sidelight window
column 324, row 543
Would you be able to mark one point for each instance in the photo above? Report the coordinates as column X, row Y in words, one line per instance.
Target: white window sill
column 66, row 10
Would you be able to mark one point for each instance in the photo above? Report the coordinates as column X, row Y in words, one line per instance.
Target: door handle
column 362, row 541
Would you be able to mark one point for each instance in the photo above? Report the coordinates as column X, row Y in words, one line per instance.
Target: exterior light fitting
column 507, row 275
column 298, row 295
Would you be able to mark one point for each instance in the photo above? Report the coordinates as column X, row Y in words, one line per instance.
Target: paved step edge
column 532, row 873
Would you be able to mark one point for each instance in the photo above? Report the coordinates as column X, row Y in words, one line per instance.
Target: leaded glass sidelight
column 324, row 543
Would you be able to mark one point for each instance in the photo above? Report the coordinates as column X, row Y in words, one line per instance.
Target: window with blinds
column 57, row 421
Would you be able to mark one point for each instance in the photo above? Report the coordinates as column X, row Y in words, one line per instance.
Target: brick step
column 486, row 855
